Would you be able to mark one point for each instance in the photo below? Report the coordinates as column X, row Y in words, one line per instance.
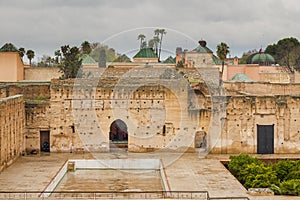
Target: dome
column 240, row 78
column 261, row 59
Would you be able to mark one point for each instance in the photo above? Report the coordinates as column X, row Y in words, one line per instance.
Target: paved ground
column 185, row 172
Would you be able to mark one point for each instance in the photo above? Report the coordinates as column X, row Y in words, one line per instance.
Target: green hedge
column 282, row 177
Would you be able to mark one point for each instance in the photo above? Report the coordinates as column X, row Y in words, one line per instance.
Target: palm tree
column 161, row 33
column 30, row 55
column 141, row 37
column 57, row 54
column 153, row 43
column 222, row 51
column 22, row 52
column 86, row 47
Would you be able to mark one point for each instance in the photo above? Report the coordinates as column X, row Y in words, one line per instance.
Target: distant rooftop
column 261, row 58
column 8, row 47
column 87, row 60
column 240, row 78
column 202, row 47
column 145, row 53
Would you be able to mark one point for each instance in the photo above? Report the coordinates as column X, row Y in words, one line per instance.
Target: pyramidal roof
column 145, row 53
column 87, row 60
column 8, row 47
column 202, row 47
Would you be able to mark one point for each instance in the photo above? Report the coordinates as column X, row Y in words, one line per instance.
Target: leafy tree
column 122, row 58
column 160, row 33
column 22, row 52
column 86, row 47
column 110, row 53
column 30, row 55
column 245, row 56
column 70, row 61
column 222, row 51
column 141, row 37
column 283, row 52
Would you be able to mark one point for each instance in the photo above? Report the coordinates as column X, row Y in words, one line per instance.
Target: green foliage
column 258, row 176
column 290, row 187
column 283, row 168
column 30, row 55
column 70, row 62
column 239, row 163
column 222, row 51
column 110, row 53
column 22, row 52
column 282, row 177
column 246, row 55
column 86, row 47
column 122, row 58
column 286, row 52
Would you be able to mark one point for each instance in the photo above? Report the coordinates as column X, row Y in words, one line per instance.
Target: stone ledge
column 260, row 192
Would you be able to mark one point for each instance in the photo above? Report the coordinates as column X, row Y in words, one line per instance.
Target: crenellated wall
column 12, row 127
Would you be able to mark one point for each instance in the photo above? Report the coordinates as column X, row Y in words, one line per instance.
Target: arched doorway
column 118, row 132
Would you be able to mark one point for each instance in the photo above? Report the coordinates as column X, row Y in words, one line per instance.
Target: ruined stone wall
column 36, row 96
column 42, row 73
column 12, row 127
column 29, row 90
column 245, row 113
column 37, row 119
column 157, row 115
column 256, row 88
column 194, row 59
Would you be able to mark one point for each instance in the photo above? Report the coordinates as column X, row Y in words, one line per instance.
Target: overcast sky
column 45, row 25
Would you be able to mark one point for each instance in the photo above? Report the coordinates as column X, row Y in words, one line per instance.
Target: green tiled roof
column 170, row 59
column 8, row 47
column 145, row 53
column 87, row 60
column 202, row 47
column 216, row 60
column 261, row 58
column 241, row 78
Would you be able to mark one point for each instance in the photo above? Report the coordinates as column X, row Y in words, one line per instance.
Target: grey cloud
column 46, row 25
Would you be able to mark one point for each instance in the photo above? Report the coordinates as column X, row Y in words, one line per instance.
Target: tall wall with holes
column 246, row 113
column 157, row 116
column 12, row 125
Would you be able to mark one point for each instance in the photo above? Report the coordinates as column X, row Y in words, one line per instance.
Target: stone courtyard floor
column 185, row 172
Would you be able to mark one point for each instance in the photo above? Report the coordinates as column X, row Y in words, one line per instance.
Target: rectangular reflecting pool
column 110, row 175
column 111, row 180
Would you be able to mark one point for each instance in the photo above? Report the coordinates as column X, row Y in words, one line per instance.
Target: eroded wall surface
column 158, row 116
column 246, row 113
column 12, row 127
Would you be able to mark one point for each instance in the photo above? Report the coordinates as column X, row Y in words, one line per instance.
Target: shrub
column 238, row 163
column 290, row 187
column 283, row 168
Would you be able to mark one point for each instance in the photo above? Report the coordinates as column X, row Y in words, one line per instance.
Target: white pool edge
column 122, row 164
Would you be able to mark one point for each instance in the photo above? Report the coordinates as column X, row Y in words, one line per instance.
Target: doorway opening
column 45, row 141
column 118, row 134
column 265, row 139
